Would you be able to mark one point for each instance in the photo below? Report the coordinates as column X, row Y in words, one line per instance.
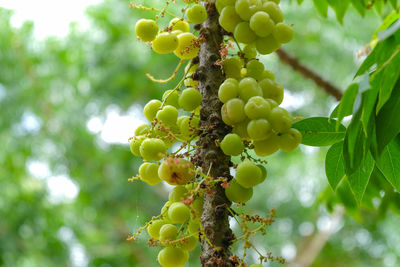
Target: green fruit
column 171, row 97
column 168, row 115
column 249, row 51
column 241, row 129
column 165, row 43
column 135, row 145
column 168, row 232
column 257, row 108
column 255, row 69
column 176, row 171
column 248, row 87
column 272, row 103
column 164, row 212
column 248, row 174
column 266, row 147
column 151, row 108
column 196, row 14
column 289, row 140
column 259, row 129
column 188, row 126
column 142, row 129
column 243, row 8
column 172, row 257
column 220, row 4
column 237, row 193
column 146, row 29
column 190, row 99
column 229, row 19
column 283, row 33
column 273, row 11
column 197, row 205
column 262, row 24
column 272, row 90
column 232, row 67
column 280, row 119
column 263, row 172
column 178, row 213
column 189, row 243
column 149, row 173
column 178, row 24
column 232, row 145
column 177, row 194
column 267, row 45
column 228, row 90
column 154, row 228
column 188, row 46
column 232, row 112
column 267, row 74
column 194, row 226
column 243, row 33
column 152, row 149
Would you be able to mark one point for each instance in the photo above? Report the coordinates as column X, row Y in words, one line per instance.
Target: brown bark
column 209, row 156
column 309, row 73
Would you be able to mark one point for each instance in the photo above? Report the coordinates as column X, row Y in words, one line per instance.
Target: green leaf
column 340, row 7
column 378, row 5
column 388, row 79
column 388, row 119
column 369, row 98
column 359, row 179
column 319, row 131
column 354, row 141
column 393, row 3
column 392, row 29
column 345, row 107
column 346, row 196
column 334, row 164
column 381, row 53
column 322, row 7
column 389, row 163
column 299, row 2
column 359, row 6
column 389, row 19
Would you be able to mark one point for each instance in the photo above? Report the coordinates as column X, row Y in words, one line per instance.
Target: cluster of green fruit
column 256, row 22
column 177, row 241
column 175, row 38
column 250, row 98
column 173, row 119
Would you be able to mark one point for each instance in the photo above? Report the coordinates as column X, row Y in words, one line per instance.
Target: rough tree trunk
column 210, row 76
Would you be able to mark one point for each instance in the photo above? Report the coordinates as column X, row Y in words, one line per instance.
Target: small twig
column 170, row 78
column 310, row 74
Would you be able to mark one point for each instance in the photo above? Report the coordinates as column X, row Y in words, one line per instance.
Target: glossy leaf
column 389, row 163
column 319, row 131
column 334, row 164
column 354, row 141
column 345, row 107
column 388, row 119
column 381, row 53
column 340, row 8
column 359, row 5
column 359, row 179
column 322, row 7
column 388, row 78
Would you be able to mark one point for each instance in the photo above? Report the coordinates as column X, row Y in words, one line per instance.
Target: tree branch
column 310, row 248
column 310, row 74
column 209, row 156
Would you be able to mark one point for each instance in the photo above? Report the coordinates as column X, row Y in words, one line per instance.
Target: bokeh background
column 72, row 88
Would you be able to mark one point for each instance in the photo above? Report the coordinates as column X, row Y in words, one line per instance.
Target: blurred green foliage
column 51, row 89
